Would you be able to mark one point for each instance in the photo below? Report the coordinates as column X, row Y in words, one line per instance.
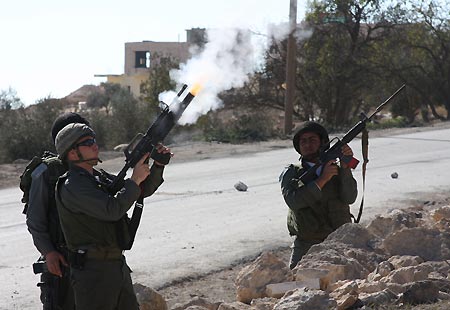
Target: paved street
column 198, row 222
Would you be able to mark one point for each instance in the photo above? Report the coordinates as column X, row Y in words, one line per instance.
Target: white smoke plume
column 228, row 59
column 225, row 62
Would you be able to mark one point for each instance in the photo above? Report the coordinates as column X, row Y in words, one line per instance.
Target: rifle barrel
column 381, row 106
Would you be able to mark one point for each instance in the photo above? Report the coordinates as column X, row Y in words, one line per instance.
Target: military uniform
column 43, row 224
column 314, row 213
column 93, row 222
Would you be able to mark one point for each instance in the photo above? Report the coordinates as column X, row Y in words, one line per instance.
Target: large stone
column 379, row 298
column 265, row 303
column 359, row 261
column 405, row 261
column 197, row 302
column 352, row 234
column 420, row 292
column 440, row 267
column 405, row 275
column 337, row 267
column 252, row 280
column 148, row 298
column 279, row 289
column 305, row 299
column 370, row 287
column 237, row 305
column 385, row 225
column 346, row 295
column 418, row 241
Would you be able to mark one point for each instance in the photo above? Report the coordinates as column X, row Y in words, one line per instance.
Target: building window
column 142, row 59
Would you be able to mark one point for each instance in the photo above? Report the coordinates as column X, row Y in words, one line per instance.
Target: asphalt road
column 198, row 222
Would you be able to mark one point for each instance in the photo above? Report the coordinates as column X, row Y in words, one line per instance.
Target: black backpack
column 55, row 169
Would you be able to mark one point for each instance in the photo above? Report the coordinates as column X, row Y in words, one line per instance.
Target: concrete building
column 138, row 58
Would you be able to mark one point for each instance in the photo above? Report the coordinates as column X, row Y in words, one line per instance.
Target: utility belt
column 78, row 258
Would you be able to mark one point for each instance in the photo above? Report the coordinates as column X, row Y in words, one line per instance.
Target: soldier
column 43, row 224
column 321, row 206
column 94, row 221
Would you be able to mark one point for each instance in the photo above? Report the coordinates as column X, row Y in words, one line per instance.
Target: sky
column 50, row 48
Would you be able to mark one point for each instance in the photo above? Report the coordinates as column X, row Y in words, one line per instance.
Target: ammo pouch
column 77, row 259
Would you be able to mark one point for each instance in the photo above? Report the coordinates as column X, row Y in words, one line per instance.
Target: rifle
column 142, row 144
column 329, row 153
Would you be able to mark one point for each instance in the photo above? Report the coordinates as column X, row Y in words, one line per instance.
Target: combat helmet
column 310, row 127
column 69, row 135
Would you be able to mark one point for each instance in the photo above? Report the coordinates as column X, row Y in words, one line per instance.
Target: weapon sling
column 155, row 135
column 365, row 154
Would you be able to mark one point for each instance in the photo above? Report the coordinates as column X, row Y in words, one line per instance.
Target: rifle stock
column 335, row 151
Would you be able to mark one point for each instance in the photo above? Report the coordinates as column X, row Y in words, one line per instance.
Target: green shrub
column 238, row 129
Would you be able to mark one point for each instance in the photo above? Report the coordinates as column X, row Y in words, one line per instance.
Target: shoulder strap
column 365, row 154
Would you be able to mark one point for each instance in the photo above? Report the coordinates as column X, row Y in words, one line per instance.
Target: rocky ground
column 217, row 286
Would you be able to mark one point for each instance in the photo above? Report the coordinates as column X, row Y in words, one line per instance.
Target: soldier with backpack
column 38, row 184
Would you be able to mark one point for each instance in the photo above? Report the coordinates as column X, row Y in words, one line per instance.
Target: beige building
column 138, row 58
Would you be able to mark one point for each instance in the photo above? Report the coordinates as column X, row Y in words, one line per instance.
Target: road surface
column 198, row 222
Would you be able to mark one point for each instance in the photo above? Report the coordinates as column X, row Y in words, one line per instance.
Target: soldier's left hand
column 162, row 149
column 347, row 151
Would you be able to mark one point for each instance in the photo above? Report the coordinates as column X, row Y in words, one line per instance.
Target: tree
column 419, row 53
column 9, row 100
column 25, row 133
column 159, row 79
column 99, row 100
column 334, row 72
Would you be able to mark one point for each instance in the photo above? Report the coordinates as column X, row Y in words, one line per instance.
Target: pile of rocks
column 399, row 258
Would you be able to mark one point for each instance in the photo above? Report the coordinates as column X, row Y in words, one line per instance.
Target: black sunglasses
column 87, row 142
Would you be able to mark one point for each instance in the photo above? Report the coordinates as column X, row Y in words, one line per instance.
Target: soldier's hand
column 346, row 151
column 141, row 170
column 54, row 259
column 329, row 170
column 162, row 149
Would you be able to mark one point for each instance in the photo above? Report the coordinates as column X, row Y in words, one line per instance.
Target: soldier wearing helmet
column 321, row 206
column 94, row 221
column 43, row 222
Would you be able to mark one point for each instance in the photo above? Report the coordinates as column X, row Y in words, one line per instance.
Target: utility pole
column 290, row 69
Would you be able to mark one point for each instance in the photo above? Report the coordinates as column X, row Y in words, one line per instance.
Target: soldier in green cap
column 94, row 221
column 321, row 206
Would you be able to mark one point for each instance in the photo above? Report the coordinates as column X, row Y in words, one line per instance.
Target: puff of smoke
column 279, row 32
column 225, row 62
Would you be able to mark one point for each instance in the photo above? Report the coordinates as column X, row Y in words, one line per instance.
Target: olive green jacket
column 89, row 215
column 314, row 213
